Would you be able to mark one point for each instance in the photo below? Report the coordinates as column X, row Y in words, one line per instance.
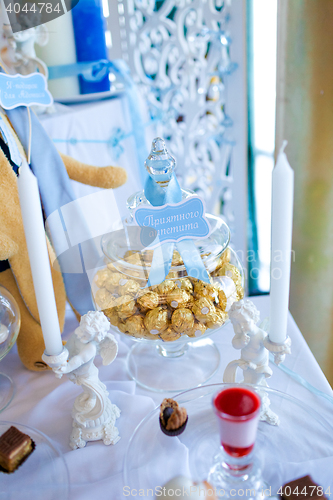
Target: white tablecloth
column 45, row 403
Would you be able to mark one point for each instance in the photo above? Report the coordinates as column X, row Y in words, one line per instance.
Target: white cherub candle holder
column 255, row 346
column 94, row 416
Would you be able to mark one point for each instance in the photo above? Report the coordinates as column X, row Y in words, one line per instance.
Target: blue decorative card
column 173, row 222
column 19, row 90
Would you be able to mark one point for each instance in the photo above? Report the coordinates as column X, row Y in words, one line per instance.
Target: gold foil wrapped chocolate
column 184, row 284
column 232, row 272
column 169, row 335
column 126, row 306
column 179, row 298
column 104, row 299
column 128, row 287
column 177, row 259
column 111, row 284
column 166, row 287
column 112, row 315
column 180, row 305
column 223, row 300
column 102, row 276
column 240, row 292
column 135, row 259
column 198, row 329
column 182, row 321
column 216, row 319
column 202, row 289
column 223, row 259
column 135, row 326
column 156, row 320
column 148, row 300
column 203, row 309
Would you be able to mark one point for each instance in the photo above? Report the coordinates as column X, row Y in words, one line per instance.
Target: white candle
column 282, row 222
column 39, row 259
column 59, row 50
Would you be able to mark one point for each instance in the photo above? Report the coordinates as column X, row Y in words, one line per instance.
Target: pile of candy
column 180, row 305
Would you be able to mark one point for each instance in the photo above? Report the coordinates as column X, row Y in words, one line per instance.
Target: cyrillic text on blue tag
column 24, row 90
column 173, row 222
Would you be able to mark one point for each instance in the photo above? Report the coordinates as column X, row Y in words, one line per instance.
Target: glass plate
column 302, row 444
column 43, row 475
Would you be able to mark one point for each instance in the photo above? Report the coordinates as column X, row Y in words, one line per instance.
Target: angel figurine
column 94, row 415
column 254, row 360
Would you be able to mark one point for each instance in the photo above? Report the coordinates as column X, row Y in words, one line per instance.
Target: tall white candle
column 59, row 50
column 282, row 222
column 39, row 259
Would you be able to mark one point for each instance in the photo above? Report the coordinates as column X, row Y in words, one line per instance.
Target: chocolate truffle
column 178, row 298
column 102, row 276
column 104, row 299
column 182, row 320
column 197, row 330
column 126, row 306
column 203, row 309
column 156, row 320
column 232, row 272
column 128, row 287
column 169, row 335
column 173, row 419
column 148, row 300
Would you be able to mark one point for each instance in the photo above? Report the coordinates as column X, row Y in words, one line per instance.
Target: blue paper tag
column 19, row 90
column 173, row 222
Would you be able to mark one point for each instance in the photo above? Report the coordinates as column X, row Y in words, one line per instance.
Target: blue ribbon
column 157, row 195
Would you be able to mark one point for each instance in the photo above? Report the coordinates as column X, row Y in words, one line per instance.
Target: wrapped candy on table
column 180, row 307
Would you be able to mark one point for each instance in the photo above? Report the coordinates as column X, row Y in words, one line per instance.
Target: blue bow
column 162, row 188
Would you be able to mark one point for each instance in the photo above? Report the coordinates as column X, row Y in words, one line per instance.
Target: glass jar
column 180, row 309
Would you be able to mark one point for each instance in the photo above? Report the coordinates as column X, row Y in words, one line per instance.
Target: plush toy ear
column 8, row 247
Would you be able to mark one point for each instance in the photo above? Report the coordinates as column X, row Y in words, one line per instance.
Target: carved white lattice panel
column 180, row 55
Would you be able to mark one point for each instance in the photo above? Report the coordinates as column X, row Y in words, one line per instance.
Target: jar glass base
column 165, row 369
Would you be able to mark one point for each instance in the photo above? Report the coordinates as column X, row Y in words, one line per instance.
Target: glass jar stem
column 172, row 350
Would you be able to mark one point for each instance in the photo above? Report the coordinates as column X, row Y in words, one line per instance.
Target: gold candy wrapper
column 184, row 284
column 216, row 319
column 207, row 290
column 156, row 320
column 180, row 305
column 149, row 300
column 182, row 321
column 203, row 309
column 104, row 299
column 135, row 326
column 178, row 298
column 230, row 271
column 126, row 306
column 169, row 335
column 197, row 330
column 128, row 287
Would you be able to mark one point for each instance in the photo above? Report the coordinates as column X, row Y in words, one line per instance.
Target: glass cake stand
column 187, row 361
column 10, row 321
column 302, row 444
column 43, row 475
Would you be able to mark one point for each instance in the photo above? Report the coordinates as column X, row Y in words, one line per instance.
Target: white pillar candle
column 59, row 50
column 282, row 222
column 39, row 259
